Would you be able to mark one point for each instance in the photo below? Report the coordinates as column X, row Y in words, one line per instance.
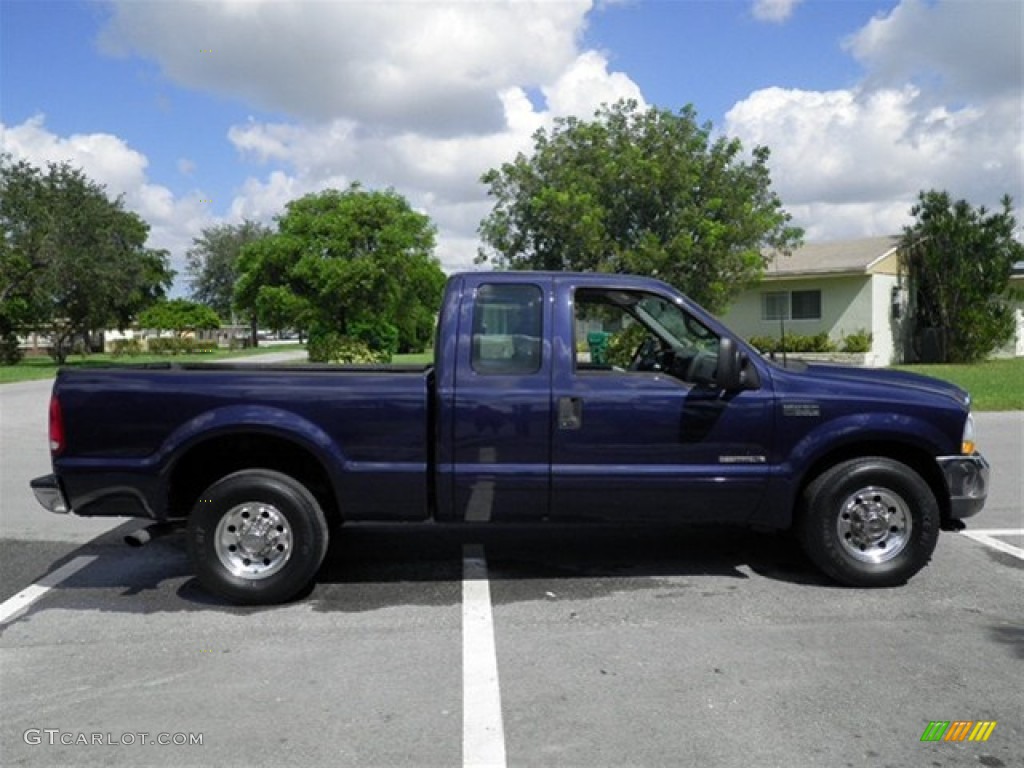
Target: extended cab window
column 507, row 329
column 636, row 331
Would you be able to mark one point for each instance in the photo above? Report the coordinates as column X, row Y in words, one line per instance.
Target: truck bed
column 370, row 426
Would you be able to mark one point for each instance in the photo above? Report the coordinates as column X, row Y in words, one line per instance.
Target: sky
column 211, row 112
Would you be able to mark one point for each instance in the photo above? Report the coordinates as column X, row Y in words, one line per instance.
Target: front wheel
column 869, row 522
column 257, row 537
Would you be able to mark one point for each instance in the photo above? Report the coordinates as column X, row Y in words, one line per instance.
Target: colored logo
column 958, row 730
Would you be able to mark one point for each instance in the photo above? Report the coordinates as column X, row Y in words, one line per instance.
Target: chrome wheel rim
column 874, row 525
column 253, row 540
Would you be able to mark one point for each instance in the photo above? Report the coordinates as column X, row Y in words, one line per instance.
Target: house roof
column 870, row 255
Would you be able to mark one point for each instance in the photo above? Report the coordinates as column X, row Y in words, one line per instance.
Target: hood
column 910, row 383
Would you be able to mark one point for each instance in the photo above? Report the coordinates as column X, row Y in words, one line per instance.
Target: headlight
column 967, row 445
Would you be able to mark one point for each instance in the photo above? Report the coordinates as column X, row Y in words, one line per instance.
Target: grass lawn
column 417, row 358
column 995, row 385
column 44, row 368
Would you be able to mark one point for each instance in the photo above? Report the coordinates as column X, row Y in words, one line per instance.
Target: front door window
column 639, row 332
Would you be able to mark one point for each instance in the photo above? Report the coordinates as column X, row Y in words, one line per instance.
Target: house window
column 775, row 305
column 806, row 305
column 791, row 305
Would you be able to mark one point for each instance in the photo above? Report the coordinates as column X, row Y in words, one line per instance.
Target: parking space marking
column 27, row 596
column 483, row 731
column 988, row 538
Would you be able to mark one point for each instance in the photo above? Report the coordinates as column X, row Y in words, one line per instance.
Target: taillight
column 56, row 427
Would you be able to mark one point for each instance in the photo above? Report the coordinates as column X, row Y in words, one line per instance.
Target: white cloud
column 439, row 175
column 109, row 161
column 103, row 157
column 959, row 49
column 438, row 67
column 940, row 106
column 775, row 11
column 262, row 200
column 877, row 149
column 586, row 84
column 422, row 97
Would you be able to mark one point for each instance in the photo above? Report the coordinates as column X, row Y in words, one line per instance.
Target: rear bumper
column 49, row 494
column 967, row 482
column 92, row 494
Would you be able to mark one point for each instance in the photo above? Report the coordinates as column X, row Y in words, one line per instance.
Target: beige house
column 837, row 287
column 841, row 288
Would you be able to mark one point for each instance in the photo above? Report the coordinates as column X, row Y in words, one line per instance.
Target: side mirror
column 735, row 371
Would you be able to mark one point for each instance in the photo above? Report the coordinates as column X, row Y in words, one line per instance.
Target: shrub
column 859, row 341
column 161, row 346
column 820, row 342
column 763, row 344
column 330, row 347
column 10, row 351
column 121, row 347
column 171, row 345
column 318, row 346
column 379, row 334
column 157, row 346
column 204, row 346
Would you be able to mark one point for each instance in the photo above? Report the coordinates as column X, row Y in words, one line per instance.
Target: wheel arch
column 209, row 459
column 915, row 457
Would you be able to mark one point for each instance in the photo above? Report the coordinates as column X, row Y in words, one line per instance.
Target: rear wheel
column 869, row 522
column 257, row 537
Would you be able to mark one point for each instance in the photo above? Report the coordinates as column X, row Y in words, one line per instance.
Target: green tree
column 179, row 315
column 73, row 260
column 15, row 300
column 356, row 263
column 212, row 263
column 648, row 192
column 280, row 309
column 958, row 260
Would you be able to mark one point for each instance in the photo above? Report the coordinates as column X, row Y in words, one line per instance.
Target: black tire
column 869, row 522
column 257, row 537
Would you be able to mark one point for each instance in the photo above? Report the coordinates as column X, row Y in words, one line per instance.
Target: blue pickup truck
column 553, row 397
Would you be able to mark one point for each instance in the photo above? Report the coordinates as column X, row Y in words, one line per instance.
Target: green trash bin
column 598, row 343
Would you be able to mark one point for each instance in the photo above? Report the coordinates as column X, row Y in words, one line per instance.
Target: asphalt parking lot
column 553, row 646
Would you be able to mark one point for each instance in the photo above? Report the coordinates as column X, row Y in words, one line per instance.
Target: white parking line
column 33, row 592
column 987, row 537
column 483, row 732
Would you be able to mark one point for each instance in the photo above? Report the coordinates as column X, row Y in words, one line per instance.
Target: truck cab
column 539, row 424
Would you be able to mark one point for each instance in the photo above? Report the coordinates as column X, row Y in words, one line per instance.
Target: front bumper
column 49, row 494
column 967, row 482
